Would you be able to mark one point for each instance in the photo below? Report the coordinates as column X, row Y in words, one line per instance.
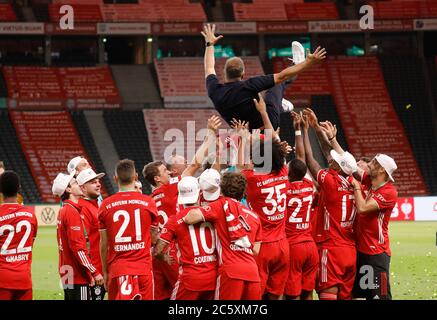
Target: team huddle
column 248, row 218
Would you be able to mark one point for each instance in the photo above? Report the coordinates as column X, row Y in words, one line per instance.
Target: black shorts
column 97, row 292
column 77, row 292
column 372, row 280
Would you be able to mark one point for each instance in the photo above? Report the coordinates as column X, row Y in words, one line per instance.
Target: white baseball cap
column 87, row 175
column 209, row 182
column 61, row 182
column 72, row 165
column 189, row 190
column 388, row 163
column 346, row 161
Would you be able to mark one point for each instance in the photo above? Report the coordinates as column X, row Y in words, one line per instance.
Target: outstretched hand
column 209, row 34
column 261, row 104
column 296, row 120
column 304, row 121
column 311, row 117
column 214, row 123
column 329, row 129
column 317, row 55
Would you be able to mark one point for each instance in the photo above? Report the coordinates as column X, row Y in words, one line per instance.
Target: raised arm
column 262, row 109
column 300, row 149
column 290, row 72
column 321, row 136
column 210, row 41
column 214, row 123
column 312, row 164
column 242, row 129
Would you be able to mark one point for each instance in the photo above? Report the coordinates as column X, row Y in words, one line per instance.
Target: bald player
column 234, row 98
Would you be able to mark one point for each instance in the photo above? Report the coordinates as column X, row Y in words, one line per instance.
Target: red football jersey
column 336, row 219
column 236, row 262
column 300, row 196
column 127, row 218
column 267, row 196
column 18, row 228
column 255, row 234
column 166, row 199
column 372, row 228
column 89, row 210
column 197, row 251
column 75, row 266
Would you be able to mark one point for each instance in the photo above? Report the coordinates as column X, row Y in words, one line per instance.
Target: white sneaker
column 287, row 105
column 298, row 52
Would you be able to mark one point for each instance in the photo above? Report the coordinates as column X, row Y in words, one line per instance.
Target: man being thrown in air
column 234, row 98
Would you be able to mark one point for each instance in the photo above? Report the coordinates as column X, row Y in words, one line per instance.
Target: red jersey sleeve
column 211, row 211
column 168, row 232
column 385, row 198
column 101, row 214
column 325, row 179
column 153, row 212
column 259, row 234
column 77, row 241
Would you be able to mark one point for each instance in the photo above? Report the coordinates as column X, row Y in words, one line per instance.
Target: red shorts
column 273, row 264
column 180, row 292
column 337, row 269
column 131, row 288
column 236, row 289
column 12, row 294
column 165, row 277
column 304, row 262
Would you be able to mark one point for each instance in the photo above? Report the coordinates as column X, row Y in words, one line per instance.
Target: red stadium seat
column 49, row 140
column 60, row 84
column 82, row 12
column 7, row 12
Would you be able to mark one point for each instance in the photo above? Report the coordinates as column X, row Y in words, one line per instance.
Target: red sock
column 327, row 296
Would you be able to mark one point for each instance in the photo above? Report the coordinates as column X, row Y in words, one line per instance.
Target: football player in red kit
column 335, row 237
column 303, row 250
column 18, row 228
column 196, row 247
column 238, row 272
column 78, row 274
column 128, row 226
column 165, row 194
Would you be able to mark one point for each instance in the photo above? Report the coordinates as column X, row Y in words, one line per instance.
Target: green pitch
column 413, row 265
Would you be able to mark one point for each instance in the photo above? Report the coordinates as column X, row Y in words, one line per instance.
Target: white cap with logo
column 346, row 161
column 87, row 175
column 189, row 190
column 388, row 163
column 72, row 165
column 209, row 182
column 61, row 182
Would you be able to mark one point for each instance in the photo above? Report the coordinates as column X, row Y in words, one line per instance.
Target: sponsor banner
column 47, row 214
column 393, row 25
column 21, row 28
column 404, row 210
column 235, row 27
column 124, row 28
column 282, row 27
column 334, row 26
column 17, row 104
column 425, row 24
column 425, row 208
column 176, row 28
column 188, row 102
column 79, row 29
column 20, row 104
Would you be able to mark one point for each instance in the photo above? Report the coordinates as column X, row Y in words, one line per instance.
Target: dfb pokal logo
column 48, row 215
